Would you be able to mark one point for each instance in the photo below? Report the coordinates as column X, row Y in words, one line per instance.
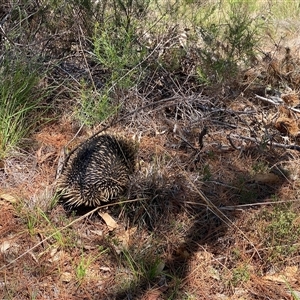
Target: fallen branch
column 270, row 143
column 276, row 101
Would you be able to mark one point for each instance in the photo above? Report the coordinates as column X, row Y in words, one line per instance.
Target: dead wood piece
column 276, row 101
column 270, row 143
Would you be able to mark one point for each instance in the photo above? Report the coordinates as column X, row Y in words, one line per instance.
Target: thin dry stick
column 270, row 143
column 242, row 206
column 276, row 101
column 84, row 57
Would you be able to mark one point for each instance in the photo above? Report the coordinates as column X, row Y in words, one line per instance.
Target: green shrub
column 94, row 107
column 281, row 234
column 117, row 51
column 229, row 35
column 240, row 275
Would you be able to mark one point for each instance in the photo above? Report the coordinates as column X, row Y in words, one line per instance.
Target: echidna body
column 97, row 171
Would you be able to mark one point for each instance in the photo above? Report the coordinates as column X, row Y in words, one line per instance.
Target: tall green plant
column 117, row 51
column 19, row 99
column 230, row 35
column 94, row 106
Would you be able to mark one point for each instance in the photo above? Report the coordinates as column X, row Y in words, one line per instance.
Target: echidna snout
column 97, row 171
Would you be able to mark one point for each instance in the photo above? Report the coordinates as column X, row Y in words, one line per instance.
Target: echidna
column 98, row 170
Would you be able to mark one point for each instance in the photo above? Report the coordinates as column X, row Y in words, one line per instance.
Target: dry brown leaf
column 124, row 236
column 288, row 275
column 4, row 246
column 267, row 178
column 290, row 99
column 66, row 277
column 287, row 126
column 105, row 269
column 39, row 153
column 276, row 278
column 9, row 198
column 152, row 295
column 97, row 232
column 109, row 221
column 56, row 255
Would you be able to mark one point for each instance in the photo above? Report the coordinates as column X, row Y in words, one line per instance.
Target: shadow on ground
column 208, row 229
